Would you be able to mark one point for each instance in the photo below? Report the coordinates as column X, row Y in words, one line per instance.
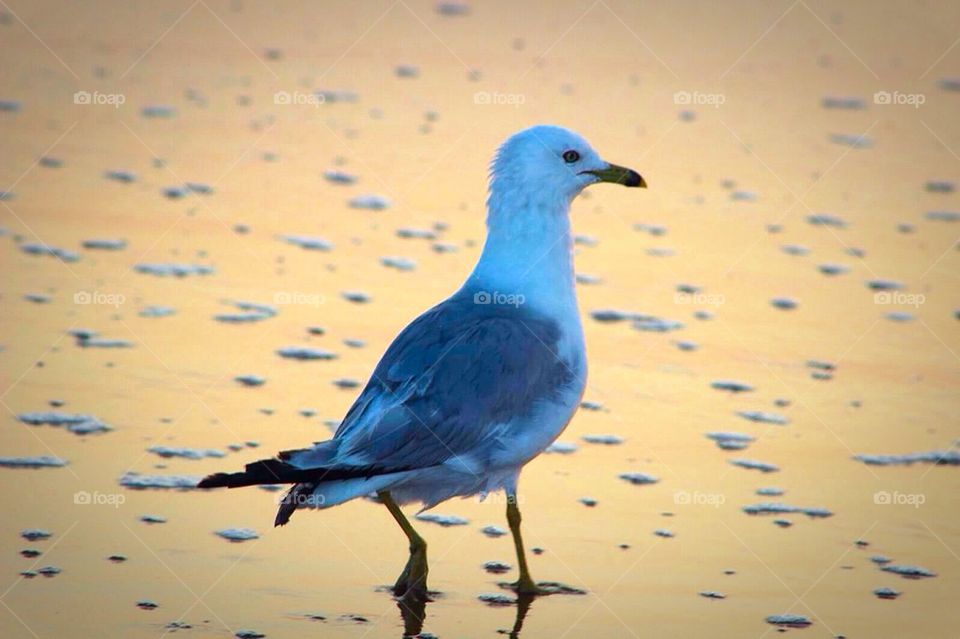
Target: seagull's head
column 555, row 162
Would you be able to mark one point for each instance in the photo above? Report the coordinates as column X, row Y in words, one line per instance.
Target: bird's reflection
column 523, row 607
column 414, row 611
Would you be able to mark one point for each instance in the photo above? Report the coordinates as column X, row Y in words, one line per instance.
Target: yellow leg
column 412, row 582
column 525, row 585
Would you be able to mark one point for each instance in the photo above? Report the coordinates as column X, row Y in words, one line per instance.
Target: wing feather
column 450, row 382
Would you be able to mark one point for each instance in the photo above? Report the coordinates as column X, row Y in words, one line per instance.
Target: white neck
column 528, row 252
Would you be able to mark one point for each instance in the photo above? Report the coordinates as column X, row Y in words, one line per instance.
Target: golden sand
column 756, row 74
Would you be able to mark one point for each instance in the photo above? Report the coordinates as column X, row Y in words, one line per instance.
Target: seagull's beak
column 619, row 175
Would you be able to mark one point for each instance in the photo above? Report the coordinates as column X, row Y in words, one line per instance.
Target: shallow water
column 779, row 190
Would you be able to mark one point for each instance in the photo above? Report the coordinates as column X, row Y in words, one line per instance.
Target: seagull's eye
column 570, row 156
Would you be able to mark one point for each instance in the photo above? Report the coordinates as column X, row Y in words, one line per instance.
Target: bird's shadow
column 414, row 612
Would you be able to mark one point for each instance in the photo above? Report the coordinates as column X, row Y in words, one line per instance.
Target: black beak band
column 619, row 175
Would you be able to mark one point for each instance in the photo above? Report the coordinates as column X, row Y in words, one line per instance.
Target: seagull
column 481, row 383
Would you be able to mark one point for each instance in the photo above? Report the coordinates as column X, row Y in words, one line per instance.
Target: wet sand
column 755, row 75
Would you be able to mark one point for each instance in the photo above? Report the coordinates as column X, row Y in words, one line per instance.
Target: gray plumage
column 452, row 384
column 449, row 377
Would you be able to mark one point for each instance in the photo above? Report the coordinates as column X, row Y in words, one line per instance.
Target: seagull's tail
column 326, row 493
column 278, row 471
column 265, row 471
column 288, row 467
column 311, row 471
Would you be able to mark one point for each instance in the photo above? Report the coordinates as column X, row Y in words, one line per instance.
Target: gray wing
column 449, row 380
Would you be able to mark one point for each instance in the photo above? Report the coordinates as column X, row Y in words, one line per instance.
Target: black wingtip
column 288, row 505
column 221, row 480
column 265, row 471
column 212, row 481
